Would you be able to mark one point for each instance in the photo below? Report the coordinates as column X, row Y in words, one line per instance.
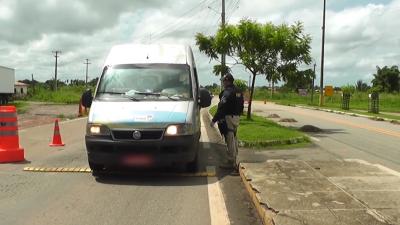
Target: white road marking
column 73, row 120
column 52, row 124
column 384, row 168
column 218, row 212
column 315, row 139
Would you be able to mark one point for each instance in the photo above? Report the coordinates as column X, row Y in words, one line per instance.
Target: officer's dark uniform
column 228, row 114
column 87, row 98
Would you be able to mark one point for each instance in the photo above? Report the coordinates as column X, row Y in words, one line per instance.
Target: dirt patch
column 377, row 119
column 395, row 122
column 288, row 120
column 273, row 116
column 310, row 129
column 37, row 114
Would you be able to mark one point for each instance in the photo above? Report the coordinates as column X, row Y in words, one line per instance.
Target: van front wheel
column 192, row 166
column 96, row 168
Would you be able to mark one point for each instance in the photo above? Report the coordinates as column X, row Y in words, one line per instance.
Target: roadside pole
column 55, row 72
column 321, row 91
column 223, row 56
column 312, row 85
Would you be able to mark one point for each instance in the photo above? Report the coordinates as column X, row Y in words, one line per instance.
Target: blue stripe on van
column 139, row 117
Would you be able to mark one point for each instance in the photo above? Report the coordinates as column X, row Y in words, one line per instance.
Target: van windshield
column 150, row 81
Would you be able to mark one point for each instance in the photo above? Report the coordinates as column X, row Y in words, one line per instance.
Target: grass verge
column 372, row 115
column 66, row 95
column 21, row 106
column 259, row 132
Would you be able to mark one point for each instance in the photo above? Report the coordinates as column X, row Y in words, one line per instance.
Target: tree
column 361, row 86
column 299, row 80
column 260, row 48
column 348, row 89
column 93, row 82
column 387, row 79
column 241, row 85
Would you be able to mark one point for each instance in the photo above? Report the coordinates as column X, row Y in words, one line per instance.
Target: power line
column 233, row 9
column 181, row 17
column 179, row 24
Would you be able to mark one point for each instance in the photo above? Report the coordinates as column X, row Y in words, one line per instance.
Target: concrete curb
column 273, row 143
column 266, row 216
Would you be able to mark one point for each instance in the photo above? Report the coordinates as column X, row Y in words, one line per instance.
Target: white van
column 146, row 108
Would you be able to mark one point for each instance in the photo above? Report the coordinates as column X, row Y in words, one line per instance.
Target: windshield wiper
column 174, row 97
column 111, row 92
column 148, row 93
column 120, row 93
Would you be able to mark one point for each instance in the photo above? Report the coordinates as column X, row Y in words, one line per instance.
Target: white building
column 20, row 89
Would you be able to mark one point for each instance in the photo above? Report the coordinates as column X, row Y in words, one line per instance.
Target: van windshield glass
column 153, row 81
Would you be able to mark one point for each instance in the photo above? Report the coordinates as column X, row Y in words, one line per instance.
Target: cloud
column 360, row 34
column 30, row 19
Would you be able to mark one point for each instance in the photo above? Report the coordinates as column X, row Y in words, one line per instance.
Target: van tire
column 96, row 168
column 192, row 166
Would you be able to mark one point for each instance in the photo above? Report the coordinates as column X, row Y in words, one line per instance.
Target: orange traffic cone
column 10, row 151
column 57, row 136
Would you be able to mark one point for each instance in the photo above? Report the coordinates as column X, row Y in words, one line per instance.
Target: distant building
column 20, row 89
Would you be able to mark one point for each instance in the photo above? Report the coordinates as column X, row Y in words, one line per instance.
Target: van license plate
column 137, row 160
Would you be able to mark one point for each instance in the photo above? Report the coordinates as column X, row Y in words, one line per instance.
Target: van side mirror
column 205, row 98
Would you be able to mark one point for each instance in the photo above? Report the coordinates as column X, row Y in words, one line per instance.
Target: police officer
column 228, row 114
column 87, row 99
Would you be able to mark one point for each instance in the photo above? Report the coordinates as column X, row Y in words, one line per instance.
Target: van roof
column 147, row 54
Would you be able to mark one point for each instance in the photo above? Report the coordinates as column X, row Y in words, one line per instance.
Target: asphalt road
column 79, row 198
column 344, row 136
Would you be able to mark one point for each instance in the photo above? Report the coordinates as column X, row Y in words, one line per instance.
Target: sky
column 360, row 34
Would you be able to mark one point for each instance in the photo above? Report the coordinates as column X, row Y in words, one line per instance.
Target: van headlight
column 180, row 129
column 97, row 129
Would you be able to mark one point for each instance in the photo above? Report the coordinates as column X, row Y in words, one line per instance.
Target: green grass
column 66, row 95
column 358, row 101
column 261, row 132
column 389, row 103
column 21, row 106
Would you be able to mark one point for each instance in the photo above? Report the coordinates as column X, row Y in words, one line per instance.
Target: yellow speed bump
column 210, row 171
column 57, row 170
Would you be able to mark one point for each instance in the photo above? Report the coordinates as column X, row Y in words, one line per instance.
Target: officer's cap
column 228, row 77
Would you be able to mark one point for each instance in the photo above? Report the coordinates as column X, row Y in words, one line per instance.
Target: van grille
column 146, row 134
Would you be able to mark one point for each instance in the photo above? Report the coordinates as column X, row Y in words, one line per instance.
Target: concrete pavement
column 79, row 198
column 349, row 176
column 344, row 192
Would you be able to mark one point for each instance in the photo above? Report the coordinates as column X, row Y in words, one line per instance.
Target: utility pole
column 321, row 90
column 87, row 68
column 312, row 85
column 55, row 72
column 33, row 84
column 223, row 56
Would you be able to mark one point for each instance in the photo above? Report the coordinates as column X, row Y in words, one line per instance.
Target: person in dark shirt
column 228, row 114
column 87, row 99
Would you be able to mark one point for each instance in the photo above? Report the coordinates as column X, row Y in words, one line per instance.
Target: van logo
column 137, row 135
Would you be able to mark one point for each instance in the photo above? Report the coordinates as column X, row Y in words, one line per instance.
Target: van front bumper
column 168, row 150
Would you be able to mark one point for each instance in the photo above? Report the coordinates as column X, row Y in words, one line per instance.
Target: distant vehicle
column 7, row 80
column 146, row 109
